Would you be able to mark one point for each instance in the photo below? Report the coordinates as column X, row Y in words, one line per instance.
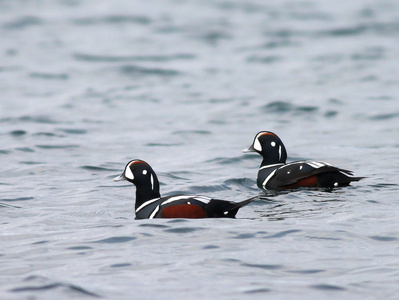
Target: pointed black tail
column 334, row 179
column 225, row 209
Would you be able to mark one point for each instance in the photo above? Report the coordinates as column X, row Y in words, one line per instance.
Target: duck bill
column 249, row 149
column 120, row 178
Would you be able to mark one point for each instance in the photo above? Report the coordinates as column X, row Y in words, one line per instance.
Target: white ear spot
column 144, row 172
column 273, row 144
column 257, row 145
column 336, row 184
column 129, row 174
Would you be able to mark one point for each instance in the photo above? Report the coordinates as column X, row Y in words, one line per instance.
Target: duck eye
column 144, row 172
column 273, row 144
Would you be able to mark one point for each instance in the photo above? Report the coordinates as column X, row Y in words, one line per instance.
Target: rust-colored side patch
column 188, row 211
column 306, row 182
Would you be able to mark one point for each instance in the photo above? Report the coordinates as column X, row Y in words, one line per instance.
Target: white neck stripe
column 146, row 203
column 271, row 166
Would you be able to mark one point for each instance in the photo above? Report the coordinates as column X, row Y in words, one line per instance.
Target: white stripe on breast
column 268, row 178
column 154, row 212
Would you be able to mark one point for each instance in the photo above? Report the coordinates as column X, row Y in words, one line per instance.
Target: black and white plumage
column 150, row 204
column 275, row 174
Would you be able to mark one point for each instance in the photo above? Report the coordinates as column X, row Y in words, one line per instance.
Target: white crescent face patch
column 257, row 145
column 128, row 173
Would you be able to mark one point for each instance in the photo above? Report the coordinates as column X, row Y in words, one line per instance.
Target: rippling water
column 87, row 85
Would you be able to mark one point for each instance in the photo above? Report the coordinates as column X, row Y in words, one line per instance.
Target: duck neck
column 143, row 196
column 274, row 157
column 270, row 162
column 147, row 192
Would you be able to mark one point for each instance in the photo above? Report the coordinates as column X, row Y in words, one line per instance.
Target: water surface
column 85, row 86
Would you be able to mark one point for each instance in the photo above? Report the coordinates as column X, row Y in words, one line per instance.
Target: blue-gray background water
column 87, row 85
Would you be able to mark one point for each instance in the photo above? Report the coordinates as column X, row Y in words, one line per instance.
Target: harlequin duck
column 275, row 174
column 150, row 204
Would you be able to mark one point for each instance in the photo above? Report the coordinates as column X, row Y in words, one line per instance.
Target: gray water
column 87, row 85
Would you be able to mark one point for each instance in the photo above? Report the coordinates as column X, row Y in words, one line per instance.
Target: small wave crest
column 42, row 284
column 134, row 70
column 286, row 107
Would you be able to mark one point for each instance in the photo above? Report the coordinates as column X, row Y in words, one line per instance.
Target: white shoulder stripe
column 177, row 198
column 285, row 166
column 146, row 203
column 313, row 164
column 203, row 199
column 317, row 164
